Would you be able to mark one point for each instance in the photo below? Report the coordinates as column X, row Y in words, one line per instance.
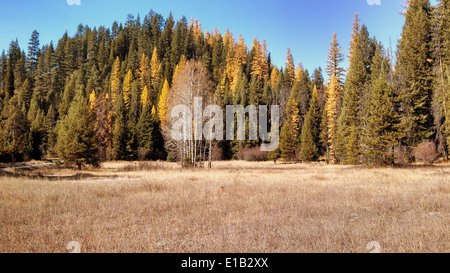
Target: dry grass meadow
column 236, row 207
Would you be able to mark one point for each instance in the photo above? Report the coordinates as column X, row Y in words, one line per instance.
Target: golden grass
column 236, row 207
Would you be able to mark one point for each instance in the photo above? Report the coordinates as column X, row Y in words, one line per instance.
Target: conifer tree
column 145, row 98
column 310, row 137
column 290, row 131
column 331, row 109
column 143, row 72
column 381, row 134
column 33, row 51
column 349, row 123
column 116, row 79
column 14, row 132
column 145, row 129
column 126, row 88
column 155, row 71
column 289, row 71
column 163, row 102
column 120, row 132
column 76, row 136
column 335, row 57
column 414, row 62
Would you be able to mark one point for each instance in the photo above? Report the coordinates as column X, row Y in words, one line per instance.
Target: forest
column 104, row 93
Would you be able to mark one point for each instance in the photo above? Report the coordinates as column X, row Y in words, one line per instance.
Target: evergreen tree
column 289, row 71
column 347, row 144
column 381, row 134
column 335, row 57
column 33, row 51
column 120, row 132
column 76, row 136
column 14, row 132
column 310, row 137
column 290, row 131
column 414, row 63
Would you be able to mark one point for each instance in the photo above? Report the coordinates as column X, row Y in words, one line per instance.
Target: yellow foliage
column 260, row 67
column 155, row 70
column 145, row 97
column 290, row 70
column 273, row 78
column 115, row 81
column 162, row 104
column 143, row 72
column 179, row 67
column 127, row 82
column 92, row 102
column 331, row 108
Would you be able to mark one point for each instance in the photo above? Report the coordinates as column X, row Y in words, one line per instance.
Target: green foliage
column 414, row 65
column 382, row 132
column 76, row 137
column 310, row 137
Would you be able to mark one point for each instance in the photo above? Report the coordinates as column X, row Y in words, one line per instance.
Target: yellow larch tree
column 274, row 77
column 115, row 81
column 298, row 71
column 143, row 72
column 331, row 108
column 155, row 70
column 126, row 88
column 179, row 67
column 145, row 97
column 92, row 103
column 290, row 70
column 260, row 66
column 163, row 102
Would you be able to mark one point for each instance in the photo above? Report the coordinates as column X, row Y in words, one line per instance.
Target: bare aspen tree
column 188, row 98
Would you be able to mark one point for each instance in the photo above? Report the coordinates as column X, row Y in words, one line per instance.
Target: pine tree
column 349, row 123
column 414, row 62
column 145, row 129
column 76, row 136
column 335, row 57
column 120, row 132
column 14, row 132
column 333, row 96
column 381, row 134
column 33, row 51
column 310, row 137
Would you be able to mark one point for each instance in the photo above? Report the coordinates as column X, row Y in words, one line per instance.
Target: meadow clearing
column 235, row 207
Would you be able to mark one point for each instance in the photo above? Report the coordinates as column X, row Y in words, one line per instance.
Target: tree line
column 104, row 94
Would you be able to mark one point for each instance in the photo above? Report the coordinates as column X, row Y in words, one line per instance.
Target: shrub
column 426, row 152
column 171, row 157
column 252, row 154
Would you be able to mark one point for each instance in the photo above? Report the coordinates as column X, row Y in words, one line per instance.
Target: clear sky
column 306, row 26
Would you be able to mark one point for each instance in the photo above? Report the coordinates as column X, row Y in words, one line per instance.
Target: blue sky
column 306, row 26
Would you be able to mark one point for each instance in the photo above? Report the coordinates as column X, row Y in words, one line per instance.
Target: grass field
column 236, row 207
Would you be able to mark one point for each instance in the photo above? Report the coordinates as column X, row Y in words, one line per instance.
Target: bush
column 252, row 154
column 144, row 155
column 426, row 152
column 171, row 157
